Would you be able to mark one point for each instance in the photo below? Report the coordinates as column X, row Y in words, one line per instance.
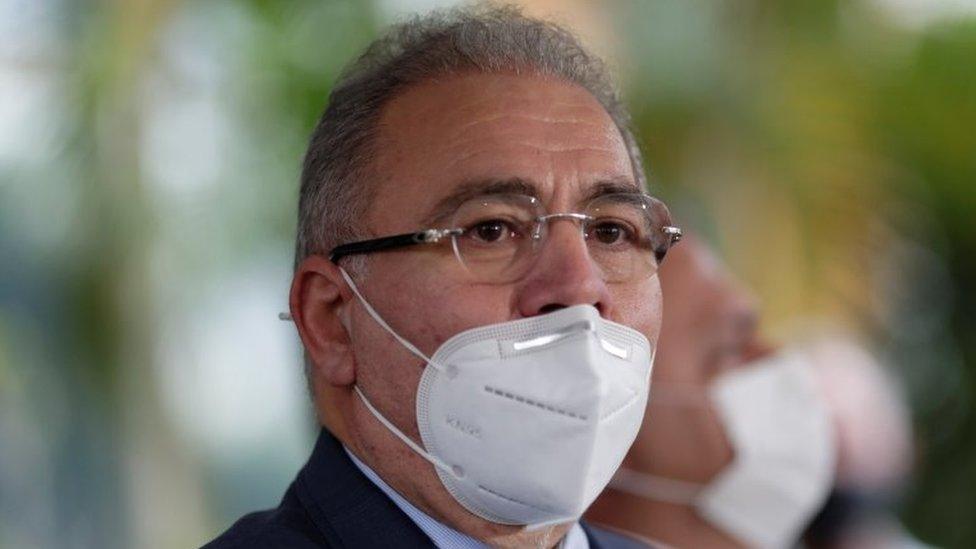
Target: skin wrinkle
column 546, row 119
column 468, row 132
column 600, row 144
column 476, row 155
column 540, row 150
column 550, row 124
column 478, row 107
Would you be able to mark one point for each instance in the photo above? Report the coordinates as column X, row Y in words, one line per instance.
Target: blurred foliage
column 830, row 153
column 926, row 117
column 825, row 148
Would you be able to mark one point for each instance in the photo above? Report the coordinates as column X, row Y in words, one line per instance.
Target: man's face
column 709, row 327
column 463, row 132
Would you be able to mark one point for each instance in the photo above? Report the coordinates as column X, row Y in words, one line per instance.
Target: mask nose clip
column 572, row 329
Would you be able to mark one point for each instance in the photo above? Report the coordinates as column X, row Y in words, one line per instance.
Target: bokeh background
column 149, row 158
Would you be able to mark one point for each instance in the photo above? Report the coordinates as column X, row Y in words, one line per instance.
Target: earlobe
column 317, row 304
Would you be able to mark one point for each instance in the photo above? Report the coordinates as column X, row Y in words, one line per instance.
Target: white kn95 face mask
column 780, row 430
column 526, row 421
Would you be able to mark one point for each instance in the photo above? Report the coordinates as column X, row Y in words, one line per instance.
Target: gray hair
column 334, row 195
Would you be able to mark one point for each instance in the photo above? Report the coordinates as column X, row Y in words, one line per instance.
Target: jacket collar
column 351, row 511
column 346, row 507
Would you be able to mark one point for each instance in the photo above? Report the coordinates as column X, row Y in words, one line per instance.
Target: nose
column 744, row 310
column 738, row 315
column 562, row 275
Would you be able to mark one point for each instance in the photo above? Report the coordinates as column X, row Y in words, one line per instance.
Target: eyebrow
column 479, row 187
column 618, row 185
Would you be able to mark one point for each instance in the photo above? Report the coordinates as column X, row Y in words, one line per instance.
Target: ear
column 319, row 304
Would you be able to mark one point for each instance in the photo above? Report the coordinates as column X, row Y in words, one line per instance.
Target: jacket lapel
column 347, row 507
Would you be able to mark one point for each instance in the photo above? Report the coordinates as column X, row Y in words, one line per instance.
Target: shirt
column 444, row 536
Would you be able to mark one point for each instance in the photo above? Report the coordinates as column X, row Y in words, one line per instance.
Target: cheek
column 639, row 307
column 426, row 311
column 656, row 312
column 686, row 443
column 427, row 306
column 386, row 371
column 466, row 306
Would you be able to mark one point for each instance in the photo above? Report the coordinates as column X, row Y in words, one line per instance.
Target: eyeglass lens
column 503, row 233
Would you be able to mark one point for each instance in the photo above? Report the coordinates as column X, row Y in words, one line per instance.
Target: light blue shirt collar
column 443, row 536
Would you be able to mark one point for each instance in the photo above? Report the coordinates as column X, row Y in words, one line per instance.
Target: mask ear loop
column 678, row 394
column 655, row 487
column 435, row 461
column 379, row 320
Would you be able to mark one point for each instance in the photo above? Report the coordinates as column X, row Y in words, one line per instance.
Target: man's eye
column 494, row 230
column 609, row 232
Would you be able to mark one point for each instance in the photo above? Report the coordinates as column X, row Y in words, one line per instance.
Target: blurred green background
column 149, row 157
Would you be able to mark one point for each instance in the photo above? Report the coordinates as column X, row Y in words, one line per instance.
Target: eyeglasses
column 497, row 237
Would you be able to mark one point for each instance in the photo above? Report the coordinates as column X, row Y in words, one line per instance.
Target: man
column 476, row 291
column 739, row 447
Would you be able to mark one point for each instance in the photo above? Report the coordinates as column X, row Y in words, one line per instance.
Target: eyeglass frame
column 434, row 236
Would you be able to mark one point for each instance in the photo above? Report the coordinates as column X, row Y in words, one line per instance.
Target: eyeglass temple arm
column 373, row 245
column 429, row 236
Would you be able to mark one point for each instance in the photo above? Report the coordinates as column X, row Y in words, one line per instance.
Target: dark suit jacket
column 332, row 504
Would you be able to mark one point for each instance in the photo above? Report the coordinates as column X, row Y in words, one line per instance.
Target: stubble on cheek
column 640, row 307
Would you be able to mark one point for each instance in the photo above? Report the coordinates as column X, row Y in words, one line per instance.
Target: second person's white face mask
column 526, row 421
column 784, row 454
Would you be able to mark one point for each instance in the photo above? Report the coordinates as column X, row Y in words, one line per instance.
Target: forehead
column 456, row 131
